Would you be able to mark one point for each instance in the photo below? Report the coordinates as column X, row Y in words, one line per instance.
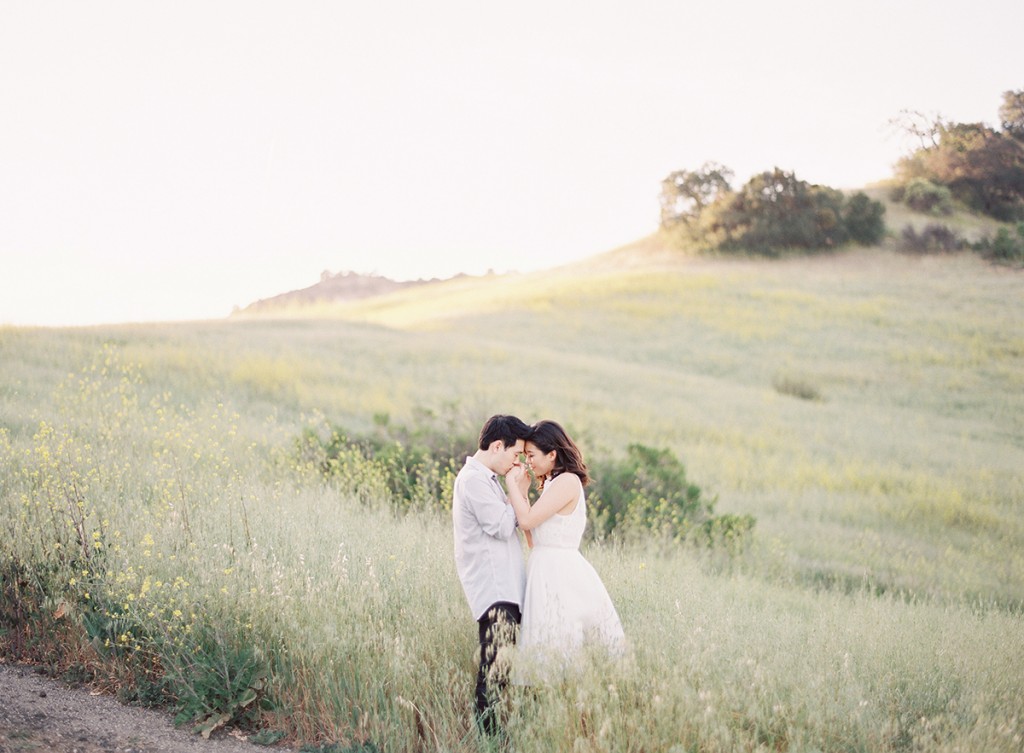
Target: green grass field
column 866, row 407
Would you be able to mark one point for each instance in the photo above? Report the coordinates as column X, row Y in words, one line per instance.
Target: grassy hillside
column 914, row 365
column 866, row 407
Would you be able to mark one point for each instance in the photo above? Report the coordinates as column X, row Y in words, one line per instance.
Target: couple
column 557, row 597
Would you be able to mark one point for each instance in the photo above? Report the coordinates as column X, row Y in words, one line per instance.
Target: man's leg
column 498, row 628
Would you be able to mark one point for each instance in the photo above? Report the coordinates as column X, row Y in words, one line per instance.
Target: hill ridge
column 339, row 287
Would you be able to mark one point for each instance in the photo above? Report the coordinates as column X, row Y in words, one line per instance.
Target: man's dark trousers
column 498, row 628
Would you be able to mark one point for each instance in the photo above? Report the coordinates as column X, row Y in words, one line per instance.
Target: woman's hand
column 560, row 495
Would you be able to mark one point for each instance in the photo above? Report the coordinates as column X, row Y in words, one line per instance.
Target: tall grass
column 150, row 489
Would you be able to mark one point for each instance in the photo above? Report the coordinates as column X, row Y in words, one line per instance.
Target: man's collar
column 470, row 460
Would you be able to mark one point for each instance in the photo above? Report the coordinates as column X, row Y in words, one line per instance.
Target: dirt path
column 38, row 714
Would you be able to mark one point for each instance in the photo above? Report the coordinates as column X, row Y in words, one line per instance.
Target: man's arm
column 495, row 516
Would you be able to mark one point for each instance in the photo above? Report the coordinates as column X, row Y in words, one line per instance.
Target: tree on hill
column 1011, row 113
column 982, row 167
column 773, row 212
column 685, row 194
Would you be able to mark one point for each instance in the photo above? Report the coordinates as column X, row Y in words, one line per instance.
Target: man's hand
column 518, row 477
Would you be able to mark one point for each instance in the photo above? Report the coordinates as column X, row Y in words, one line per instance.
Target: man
column 488, row 553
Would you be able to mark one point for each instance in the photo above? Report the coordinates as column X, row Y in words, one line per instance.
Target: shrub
column 981, row 167
column 1008, row 246
column 864, row 219
column 921, row 195
column 775, row 212
column 378, row 467
column 648, row 492
column 932, row 239
column 796, row 387
column 218, row 682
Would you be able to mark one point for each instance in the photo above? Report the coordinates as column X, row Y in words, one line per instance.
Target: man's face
column 508, row 457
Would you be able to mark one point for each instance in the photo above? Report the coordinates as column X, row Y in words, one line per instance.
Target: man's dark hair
column 507, row 429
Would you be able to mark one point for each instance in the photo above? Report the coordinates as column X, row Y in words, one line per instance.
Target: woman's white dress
column 566, row 607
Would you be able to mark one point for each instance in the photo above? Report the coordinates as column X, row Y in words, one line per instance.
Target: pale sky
column 172, row 160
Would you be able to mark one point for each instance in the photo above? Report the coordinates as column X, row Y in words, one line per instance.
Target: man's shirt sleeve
column 496, row 517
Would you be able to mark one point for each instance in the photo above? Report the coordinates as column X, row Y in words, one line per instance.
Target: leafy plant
column 110, row 629
column 934, row 238
column 921, row 195
column 364, row 747
column 266, row 737
column 979, row 165
column 1008, row 246
column 864, row 219
column 217, row 682
column 413, row 467
column 647, row 492
column 776, row 212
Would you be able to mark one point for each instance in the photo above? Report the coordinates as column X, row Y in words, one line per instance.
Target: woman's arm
column 558, row 495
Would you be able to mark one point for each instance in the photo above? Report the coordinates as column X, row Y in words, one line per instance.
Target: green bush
column 864, row 219
column 1008, row 246
column 647, row 492
column 412, row 468
column 776, row 212
column 934, row 238
column 217, row 682
column 981, row 167
column 921, row 195
column 794, row 386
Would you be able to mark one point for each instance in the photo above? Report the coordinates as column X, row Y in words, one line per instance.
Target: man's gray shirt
column 488, row 553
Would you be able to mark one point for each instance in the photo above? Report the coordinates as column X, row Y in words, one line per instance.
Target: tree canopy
column 975, row 164
column 773, row 212
column 1011, row 113
column 685, row 194
column 981, row 166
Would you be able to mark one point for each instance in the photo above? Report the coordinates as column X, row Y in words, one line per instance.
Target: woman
column 566, row 606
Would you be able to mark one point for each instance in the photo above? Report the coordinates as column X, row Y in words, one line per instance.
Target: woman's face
column 540, row 463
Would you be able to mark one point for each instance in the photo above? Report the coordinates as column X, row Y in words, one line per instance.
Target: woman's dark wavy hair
column 548, row 436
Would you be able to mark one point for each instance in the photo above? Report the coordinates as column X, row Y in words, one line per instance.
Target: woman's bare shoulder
column 566, row 488
column 567, row 481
